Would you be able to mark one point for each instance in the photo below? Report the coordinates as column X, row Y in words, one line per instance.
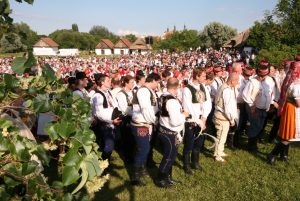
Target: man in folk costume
column 144, row 118
column 289, row 111
column 195, row 98
column 218, row 81
column 81, row 83
column 257, row 95
column 243, row 117
column 103, row 107
column 226, row 114
column 171, row 121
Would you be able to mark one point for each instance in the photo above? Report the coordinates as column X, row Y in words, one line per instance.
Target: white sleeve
column 122, row 102
column 227, row 96
column 214, row 89
column 79, row 93
column 296, row 91
column 103, row 114
column 207, row 105
column 247, row 94
column 144, row 98
column 187, row 101
column 174, row 109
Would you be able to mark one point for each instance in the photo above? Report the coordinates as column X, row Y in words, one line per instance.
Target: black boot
column 170, row 178
column 136, row 179
column 162, row 180
column 187, row 164
column 144, row 172
column 230, row 141
column 236, row 140
column 284, row 154
column 195, row 160
column 252, row 145
column 274, row 153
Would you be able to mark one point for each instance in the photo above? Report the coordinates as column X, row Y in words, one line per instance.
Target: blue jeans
column 108, row 136
column 169, row 152
column 191, row 143
column 142, row 139
column 257, row 120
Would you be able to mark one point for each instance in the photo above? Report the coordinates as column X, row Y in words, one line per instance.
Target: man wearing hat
column 81, row 83
column 218, row 81
column 258, row 98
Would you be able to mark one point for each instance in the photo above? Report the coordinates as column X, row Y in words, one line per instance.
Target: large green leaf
column 84, row 177
column 18, row 65
column 72, row 158
column 42, row 155
column 29, row 167
column 41, row 103
column 31, row 61
column 49, row 73
column 65, row 129
column 11, row 82
column 70, row 175
column 51, row 131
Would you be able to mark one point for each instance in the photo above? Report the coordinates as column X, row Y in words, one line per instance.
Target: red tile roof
column 48, row 41
column 106, row 42
column 126, row 42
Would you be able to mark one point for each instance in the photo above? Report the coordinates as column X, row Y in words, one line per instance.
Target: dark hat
column 80, row 75
column 262, row 70
column 71, row 80
column 247, row 71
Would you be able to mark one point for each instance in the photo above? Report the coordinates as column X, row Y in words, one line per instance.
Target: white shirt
column 259, row 93
column 194, row 109
column 230, row 104
column 103, row 114
column 144, row 112
column 217, row 83
column 294, row 90
column 207, row 105
column 82, row 93
column 176, row 119
column 123, row 104
column 241, row 87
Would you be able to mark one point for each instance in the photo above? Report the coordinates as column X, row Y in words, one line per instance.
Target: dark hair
column 100, row 79
column 116, row 81
column 71, row 80
column 210, row 76
column 125, row 80
column 152, row 77
column 166, row 73
column 138, row 77
column 198, row 72
column 90, row 84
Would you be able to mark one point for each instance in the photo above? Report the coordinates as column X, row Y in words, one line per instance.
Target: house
column 239, row 41
column 45, row 46
column 68, row 52
column 140, row 46
column 122, row 47
column 105, row 47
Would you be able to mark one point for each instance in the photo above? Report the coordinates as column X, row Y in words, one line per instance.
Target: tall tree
column 101, row 32
column 27, row 35
column 75, row 27
column 11, row 43
column 216, row 34
column 131, row 37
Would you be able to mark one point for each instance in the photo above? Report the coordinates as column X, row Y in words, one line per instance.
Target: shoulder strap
column 193, row 92
column 164, row 100
column 105, row 104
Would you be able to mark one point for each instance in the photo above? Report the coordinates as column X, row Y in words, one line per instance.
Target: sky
column 140, row 17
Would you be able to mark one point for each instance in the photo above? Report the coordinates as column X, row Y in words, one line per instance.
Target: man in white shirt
column 258, row 97
column 196, row 101
column 225, row 115
column 172, row 119
column 144, row 117
column 81, row 83
column 103, row 106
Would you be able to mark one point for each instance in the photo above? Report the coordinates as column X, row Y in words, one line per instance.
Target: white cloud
column 124, row 32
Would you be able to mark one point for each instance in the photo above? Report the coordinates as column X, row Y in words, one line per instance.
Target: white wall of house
column 117, row 51
column 142, row 52
column 45, row 51
column 106, row 51
column 68, row 52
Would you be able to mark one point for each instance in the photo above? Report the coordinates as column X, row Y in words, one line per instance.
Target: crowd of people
column 172, row 98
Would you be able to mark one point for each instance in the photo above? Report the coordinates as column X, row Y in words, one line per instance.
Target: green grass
column 244, row 177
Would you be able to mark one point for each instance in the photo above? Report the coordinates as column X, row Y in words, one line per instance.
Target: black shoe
column 195, row 161
column 136, row 179
column 170, row 178
column 284, row 154
column 252, row 145
column 162, row 180
column 274, row 153
column 143, row 172
column 230, row 141
column 186, row 164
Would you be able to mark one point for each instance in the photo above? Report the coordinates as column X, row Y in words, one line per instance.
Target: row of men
column 179, row 114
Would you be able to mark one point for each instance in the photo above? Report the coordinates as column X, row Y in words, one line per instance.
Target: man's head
column 166, row 74
column 199, row 75
column 104, row 82
column 218, row 71
column 152, row 80
column 272, row 71
column 209, row 78
column 247, row 72
column 140, row 79
column 237, row 67
column 173, row 85
column 263, row 71
column 81, row 80
column 127, row 82
column 233, row 79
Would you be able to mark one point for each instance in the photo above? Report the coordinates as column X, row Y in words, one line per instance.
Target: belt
column 167, row 131
column 140, row 124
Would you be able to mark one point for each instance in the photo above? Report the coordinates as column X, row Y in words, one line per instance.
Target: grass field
column 244, row 177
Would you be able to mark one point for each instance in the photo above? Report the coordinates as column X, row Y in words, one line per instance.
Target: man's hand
column 275, row 105
column 186, row 114
column 252, row 109
column 232, row 123
column 117, row 121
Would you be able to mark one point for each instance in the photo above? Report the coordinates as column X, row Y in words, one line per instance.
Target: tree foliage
column 216, row 34
column 131, row 37
column 180, row 40
column 22, row 159
column 11, row 42
column 28, row 36
column 71, row 39
column 75, row 27
column 101, row 32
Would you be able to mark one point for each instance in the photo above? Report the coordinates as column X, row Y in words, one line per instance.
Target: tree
column 75, row 27
column 216, row 34
column 28, row 36
column 101, row 32
column 11, row 43
column 131, row 37
column 71, row 39
column 180, row 40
